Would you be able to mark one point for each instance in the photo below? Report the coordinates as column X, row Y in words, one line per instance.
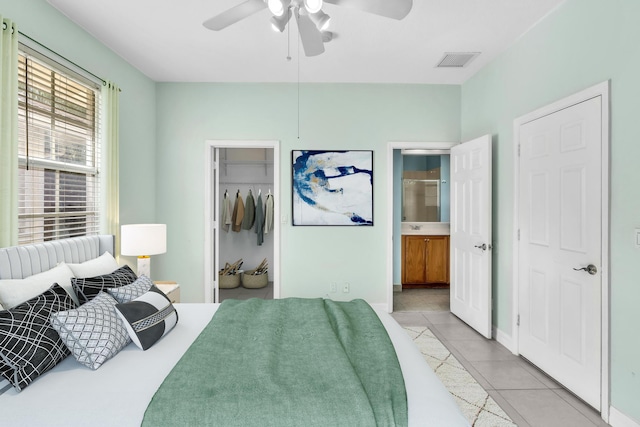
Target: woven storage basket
column 228, row 281
column 254, row 281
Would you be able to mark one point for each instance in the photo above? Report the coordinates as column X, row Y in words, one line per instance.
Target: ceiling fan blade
column 396, row 9
column 234, row 14
column 311, row 37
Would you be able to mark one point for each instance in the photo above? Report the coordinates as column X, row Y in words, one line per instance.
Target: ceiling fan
column 311, row 20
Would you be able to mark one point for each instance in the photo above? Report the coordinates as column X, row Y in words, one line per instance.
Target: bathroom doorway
column 419, row 181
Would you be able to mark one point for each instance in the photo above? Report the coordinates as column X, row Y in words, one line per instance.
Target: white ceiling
column 165, row 40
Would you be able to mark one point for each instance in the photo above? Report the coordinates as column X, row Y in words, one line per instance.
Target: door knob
column 591, row 269
column 482, row 246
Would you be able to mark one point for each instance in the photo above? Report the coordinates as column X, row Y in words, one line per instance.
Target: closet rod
column 246, row 183
column 104, row 82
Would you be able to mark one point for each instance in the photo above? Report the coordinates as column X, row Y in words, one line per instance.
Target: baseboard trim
column 503, row 338
column 381, row 307
column 618, row 419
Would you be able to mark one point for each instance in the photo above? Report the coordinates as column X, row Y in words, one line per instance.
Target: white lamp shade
column 143, row 239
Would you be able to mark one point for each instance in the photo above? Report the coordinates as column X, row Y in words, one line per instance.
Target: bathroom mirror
column 421, row 199
column 425, row 188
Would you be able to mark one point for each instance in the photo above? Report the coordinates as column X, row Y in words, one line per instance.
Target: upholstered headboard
column 18, row 262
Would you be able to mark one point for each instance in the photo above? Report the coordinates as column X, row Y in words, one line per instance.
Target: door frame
column 212, row 213
column 396, row 145
column 599, row 90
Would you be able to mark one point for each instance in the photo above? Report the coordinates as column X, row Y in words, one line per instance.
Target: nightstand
column 171, row 290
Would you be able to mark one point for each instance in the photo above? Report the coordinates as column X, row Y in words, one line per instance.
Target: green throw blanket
column 289, row 362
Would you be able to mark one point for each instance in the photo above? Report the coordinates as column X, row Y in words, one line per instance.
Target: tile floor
column 244, row 293
column 526, row 394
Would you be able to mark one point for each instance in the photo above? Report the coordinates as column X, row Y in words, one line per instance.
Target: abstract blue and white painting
column 332, row 187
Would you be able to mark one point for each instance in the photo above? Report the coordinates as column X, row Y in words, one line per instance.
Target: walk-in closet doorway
column 247, row 173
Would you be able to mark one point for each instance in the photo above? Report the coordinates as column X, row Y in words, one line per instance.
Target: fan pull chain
column 298, row 71
column 289, row 42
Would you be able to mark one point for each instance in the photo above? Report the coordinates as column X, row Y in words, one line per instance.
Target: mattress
column 118, row 393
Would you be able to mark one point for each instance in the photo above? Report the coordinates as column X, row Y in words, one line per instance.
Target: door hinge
column 214, row 165
column 518, row 234
column 518, row 150
column 518, row 321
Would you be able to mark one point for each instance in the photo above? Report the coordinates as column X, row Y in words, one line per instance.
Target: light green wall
column 40, row 21
column 583, row 43
column 332, row 116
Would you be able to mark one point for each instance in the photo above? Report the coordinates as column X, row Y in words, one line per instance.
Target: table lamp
column 143, row 240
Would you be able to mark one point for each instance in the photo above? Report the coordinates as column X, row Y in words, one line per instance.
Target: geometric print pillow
column 29, row 346
column 129, row 292
column 148, row 317
column 93, row 332
column 87, row 288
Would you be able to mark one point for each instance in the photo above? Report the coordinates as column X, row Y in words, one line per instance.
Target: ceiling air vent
column 456, row 59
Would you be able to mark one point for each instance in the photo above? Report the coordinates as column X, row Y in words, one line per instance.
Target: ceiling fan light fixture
column 276, row 7
column 279, row 23
column 321, row 19
column 313, row 6
column 311, row 22
column 327, row 36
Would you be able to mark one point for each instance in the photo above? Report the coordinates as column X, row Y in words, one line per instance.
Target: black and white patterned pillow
column 29, row 346
column 129, row 292
column 148, row 317
column 93, row 332
column 87, row 288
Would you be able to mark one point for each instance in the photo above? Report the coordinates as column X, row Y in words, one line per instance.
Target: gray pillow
column 129, row 292
column 93, row 332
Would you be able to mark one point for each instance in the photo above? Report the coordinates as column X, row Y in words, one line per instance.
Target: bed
column 119, row 392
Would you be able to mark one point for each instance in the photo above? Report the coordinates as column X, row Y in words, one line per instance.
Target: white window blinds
column 58, row 153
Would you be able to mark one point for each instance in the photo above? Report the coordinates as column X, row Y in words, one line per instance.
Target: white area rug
column 476, row 404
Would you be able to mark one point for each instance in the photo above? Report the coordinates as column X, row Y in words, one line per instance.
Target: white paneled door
column 470, row 290
column 560, row 208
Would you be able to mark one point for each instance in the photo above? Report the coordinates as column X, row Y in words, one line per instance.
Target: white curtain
column 110, row 179
column 8, row 133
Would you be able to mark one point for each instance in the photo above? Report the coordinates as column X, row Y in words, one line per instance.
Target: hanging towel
column 268, row 214
column 226, row 212
column 249, row 212
column 238, row 213
column 259, row 223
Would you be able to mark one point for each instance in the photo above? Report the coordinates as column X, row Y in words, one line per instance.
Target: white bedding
column 118, row 393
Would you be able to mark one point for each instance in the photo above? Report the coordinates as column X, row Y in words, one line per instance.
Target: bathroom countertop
column 425, row 228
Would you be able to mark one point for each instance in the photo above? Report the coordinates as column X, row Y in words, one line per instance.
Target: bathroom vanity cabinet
column 425, row 260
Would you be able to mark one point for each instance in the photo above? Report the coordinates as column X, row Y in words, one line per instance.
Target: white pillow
column 16, row 291
column 104, row 264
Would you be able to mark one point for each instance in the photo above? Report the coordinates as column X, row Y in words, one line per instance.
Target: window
column 58, row 151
